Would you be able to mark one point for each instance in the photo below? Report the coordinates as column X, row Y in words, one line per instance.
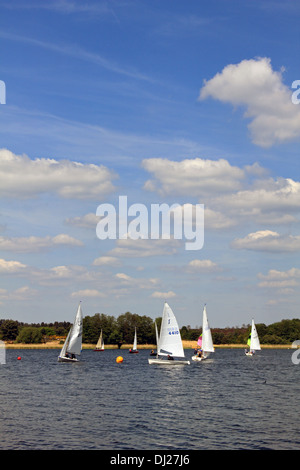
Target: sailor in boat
column 249, row 352
column 170, row 358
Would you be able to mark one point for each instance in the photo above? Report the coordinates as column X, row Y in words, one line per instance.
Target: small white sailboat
column 169, row 344
column 206, row 345
column 253, row 341
column 134, row 347
column 100, row 343
column 73, row 343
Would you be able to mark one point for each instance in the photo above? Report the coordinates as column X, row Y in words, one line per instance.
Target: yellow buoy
column 119, row 359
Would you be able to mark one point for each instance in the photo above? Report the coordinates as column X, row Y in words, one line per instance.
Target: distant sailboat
column 253, row 341
column 100, row 343
column 169, row 344
column 73, row 343
column 205, row 343
column 134, row 347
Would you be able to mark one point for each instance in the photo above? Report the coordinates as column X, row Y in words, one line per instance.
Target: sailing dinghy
column 73, row 343
column 134, row 348
column 100, row 343
column 169, row 344
column 253, row 341
column 205, row 342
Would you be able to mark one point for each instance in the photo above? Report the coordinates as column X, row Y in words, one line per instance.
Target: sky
column 164, row 102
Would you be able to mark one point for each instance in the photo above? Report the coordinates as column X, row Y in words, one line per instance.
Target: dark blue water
column 228, row 402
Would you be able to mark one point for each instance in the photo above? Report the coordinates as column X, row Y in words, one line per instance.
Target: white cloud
column 274, row 274
column 268, row 201
column 163, row 295
column 284, row 283
column 254, row 85
column 218, row 220
column 144, row 248
column 193, row 177
column 22, row 177
column 278, row 284
column 266, row 240
column 282, row 195
column 35, row 244
column 22, row 293
column 88, row 293
column 230, row 195
column 88, row 221
column 137, row 283
column 11, row 267
column 202, row 265
column 106, row 261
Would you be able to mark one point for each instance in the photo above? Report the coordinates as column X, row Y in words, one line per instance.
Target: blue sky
column 164, row 102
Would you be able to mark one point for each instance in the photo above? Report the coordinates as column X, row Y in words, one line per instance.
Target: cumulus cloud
column 137, row 283
column 163, row 295
column 22, row 177
column 88, row 293
column 274, row 274
column 22, row 293
column 11, row 267
column 36, row 244
column 255, row 86
column 272, row 201
column 203, row 265
column 282, row 194
column 87, row 221
column 195, row 177
column 284, row 282
column 230, row 194
column 106, row 261
column 144, row 248
column 267, row 240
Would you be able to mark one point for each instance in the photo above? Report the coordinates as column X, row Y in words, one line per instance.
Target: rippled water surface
column 228, row 402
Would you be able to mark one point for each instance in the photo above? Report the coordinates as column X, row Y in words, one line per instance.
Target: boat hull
column 168, row 362
column 132, row 352
column 197, row 358
column 67, row 359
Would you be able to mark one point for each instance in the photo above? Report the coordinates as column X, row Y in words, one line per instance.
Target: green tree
column 30, row 335
column 9, row 330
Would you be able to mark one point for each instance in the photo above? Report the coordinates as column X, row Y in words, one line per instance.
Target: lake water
column 227, row 402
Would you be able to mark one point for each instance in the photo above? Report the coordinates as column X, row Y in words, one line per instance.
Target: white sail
column 207, row 343
column 156, row 334
column 75, row 341
column 170, row 339
column 254, row 341
column 64, row 348
column 135, row 341
column 100, row 343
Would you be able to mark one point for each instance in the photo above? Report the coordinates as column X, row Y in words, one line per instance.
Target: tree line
column 121, row 331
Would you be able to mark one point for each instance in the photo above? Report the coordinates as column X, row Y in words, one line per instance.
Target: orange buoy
column 119, row 359
column 19, row 358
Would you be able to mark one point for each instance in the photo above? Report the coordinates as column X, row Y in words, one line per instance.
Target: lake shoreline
column 124, row 347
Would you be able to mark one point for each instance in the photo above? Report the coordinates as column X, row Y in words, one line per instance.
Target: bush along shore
column 118, row 332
